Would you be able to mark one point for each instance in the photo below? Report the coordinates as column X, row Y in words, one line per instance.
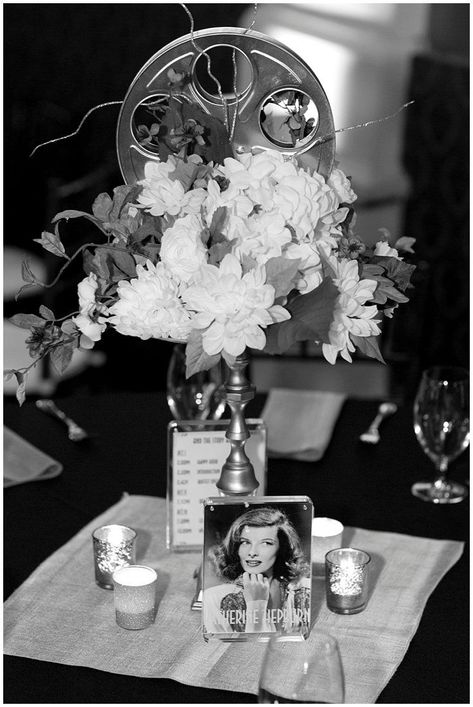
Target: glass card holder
column 256, row 567
column 196, row 453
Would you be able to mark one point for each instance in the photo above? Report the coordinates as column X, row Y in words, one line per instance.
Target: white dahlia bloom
column 88, row 322
column 163, row 195
column 309, row 205
column 262, row 237
column 351, row 315
column 232, row 308
column 182, row 250
column 340, row 183
column 149, row 305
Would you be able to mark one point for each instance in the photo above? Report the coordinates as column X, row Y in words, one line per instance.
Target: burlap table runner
column 60, row 615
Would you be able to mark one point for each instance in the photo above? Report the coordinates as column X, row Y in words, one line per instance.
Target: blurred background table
column 361, row 485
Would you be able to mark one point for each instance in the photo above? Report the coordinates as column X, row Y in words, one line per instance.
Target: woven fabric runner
column 60, row 615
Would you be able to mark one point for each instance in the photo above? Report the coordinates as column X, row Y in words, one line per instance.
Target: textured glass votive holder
column 326, row 535
column 114, row 547
column 135, row 596
column 346, row 580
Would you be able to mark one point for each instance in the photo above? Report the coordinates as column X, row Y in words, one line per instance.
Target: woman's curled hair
column 290, row 562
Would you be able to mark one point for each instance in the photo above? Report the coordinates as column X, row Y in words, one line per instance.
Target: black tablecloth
column 361, row 485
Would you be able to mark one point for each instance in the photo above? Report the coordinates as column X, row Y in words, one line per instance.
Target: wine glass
column 442, row 427
column 296, row 670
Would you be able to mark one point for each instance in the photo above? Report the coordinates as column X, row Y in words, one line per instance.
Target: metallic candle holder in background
column 346, row 580
column 135, row 596
column 114, row 547
column 326, row 535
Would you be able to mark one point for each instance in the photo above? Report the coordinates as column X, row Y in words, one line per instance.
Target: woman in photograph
column 267, row 577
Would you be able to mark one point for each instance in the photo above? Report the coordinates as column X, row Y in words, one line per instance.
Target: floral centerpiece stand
column 235, row 229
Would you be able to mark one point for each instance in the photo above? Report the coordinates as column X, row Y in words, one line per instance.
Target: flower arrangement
column 247, row 250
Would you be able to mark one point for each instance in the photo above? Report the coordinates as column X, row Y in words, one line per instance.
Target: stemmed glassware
column 442, row 427
column 301, row 671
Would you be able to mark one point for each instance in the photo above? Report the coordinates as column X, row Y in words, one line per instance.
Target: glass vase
column 200, row 397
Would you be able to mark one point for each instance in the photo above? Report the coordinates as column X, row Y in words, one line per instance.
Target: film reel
column 271, row 70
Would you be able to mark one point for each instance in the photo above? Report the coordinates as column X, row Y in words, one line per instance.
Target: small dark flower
column 148, row 136
column 350, row 247
column 188, row 133
column 41, row 339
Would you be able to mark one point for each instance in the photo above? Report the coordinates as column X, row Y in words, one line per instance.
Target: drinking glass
column 442, row 427
column 302, row 671
column 200, row 397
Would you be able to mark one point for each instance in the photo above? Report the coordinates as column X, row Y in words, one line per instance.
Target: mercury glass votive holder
column 346, row 580
column 114, row 547
column 135, row 596
column 326, row 535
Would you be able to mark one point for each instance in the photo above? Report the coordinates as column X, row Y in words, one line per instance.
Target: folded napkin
column 23, row 462
column 300, row 422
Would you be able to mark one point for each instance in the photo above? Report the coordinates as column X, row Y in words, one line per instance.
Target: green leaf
column 281, row 273
column 218, row 221
column 385, row 290
column 368, row 345
column 27, row 321
column 369, row 271
column 218, row 251
column 185, row 173
column 52, row 243
column 21, row 389
column 196, row 358
column 61, row 356
column 73, row 213
column 8, row 374
column 22, row 289
column 122, row 195
column 397, row 270
column 27, row 274
column 311, row 317
column 149, row 229
column 102, row 207
column 247, row 263
column 46, row 313
column 110, row 265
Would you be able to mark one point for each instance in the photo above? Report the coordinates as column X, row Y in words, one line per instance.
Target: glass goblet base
column 440, row 491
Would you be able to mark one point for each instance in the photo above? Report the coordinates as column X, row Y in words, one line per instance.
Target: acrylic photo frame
column 196, row 452
column 256, row 567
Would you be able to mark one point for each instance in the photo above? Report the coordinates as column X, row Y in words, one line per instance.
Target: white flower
column 262, row 237
column 88, row 322
column 240, row 204
column 182, row 250
column 383, row 248
column 342, row 186
column 273, row 182
column 149, row 305
column 163, row 195
column 351, row 315
column 310, row 266
column 232, row 308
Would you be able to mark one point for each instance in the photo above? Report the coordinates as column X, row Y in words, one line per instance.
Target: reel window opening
column 147, row 121
column 222, row 67
column 289, row 118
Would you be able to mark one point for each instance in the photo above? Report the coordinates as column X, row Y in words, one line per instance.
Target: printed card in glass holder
column 197, row 451
column 256, row 567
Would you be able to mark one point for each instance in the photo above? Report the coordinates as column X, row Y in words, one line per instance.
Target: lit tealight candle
column 114, row 546
column 135, row 596
column 346, row 580
column 326, row 535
